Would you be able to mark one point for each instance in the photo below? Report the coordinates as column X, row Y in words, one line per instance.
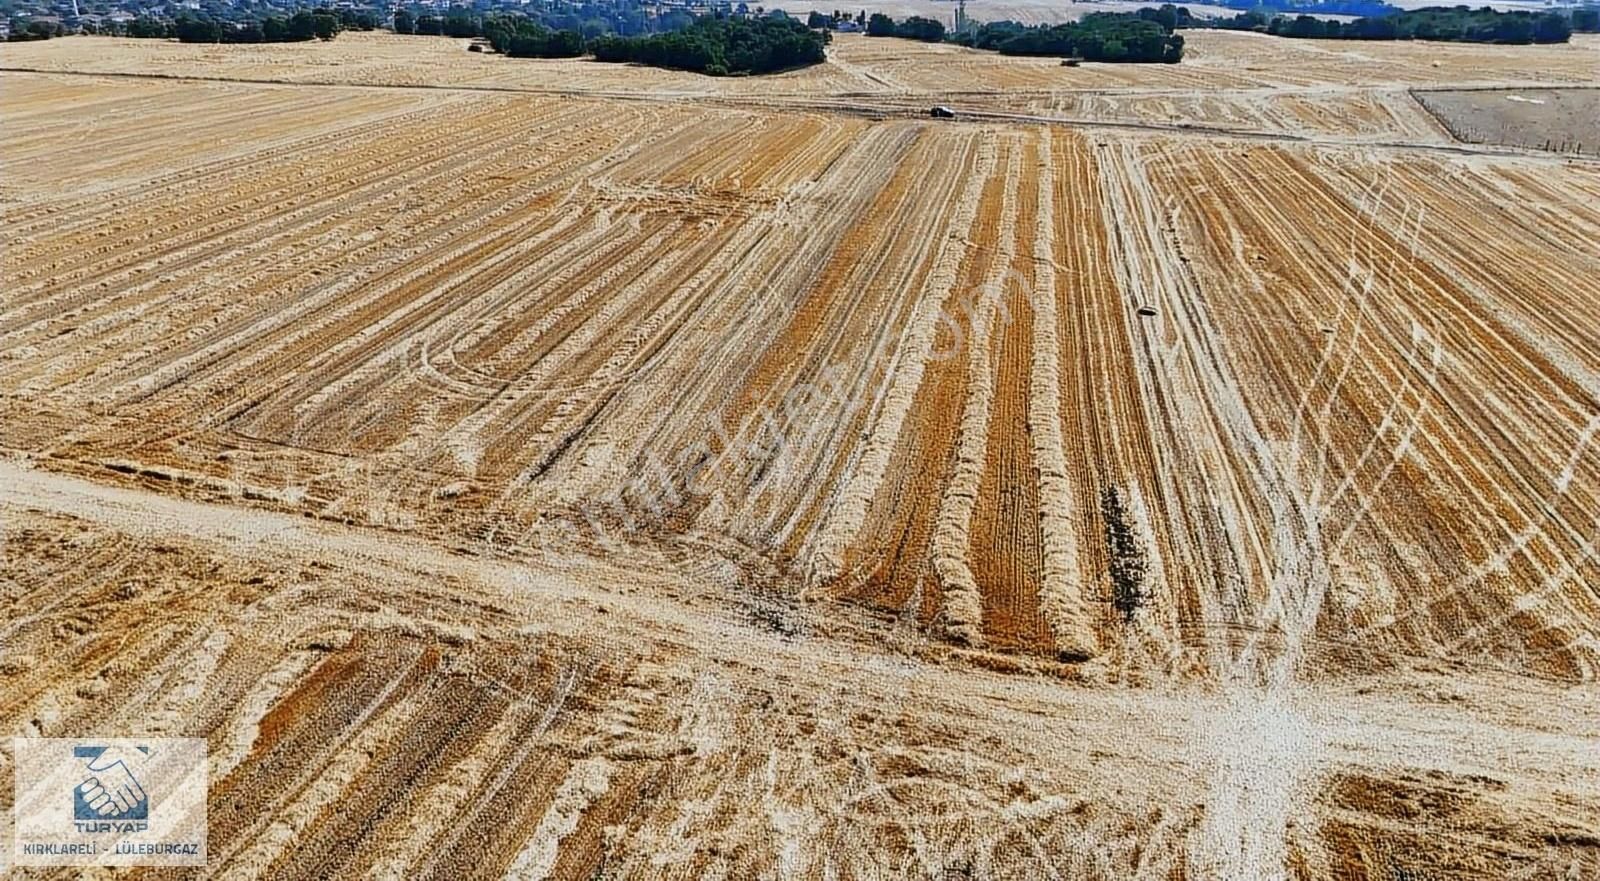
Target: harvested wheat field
column 560, row 470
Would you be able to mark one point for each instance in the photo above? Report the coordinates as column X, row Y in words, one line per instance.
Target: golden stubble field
column 561, row 470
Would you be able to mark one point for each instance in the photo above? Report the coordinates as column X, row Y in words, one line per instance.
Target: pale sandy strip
column 827, row 557
column 1060, row 594
column 961, row 611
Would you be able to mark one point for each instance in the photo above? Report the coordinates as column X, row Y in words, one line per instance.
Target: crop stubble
column 1056, row 395
column 532, row 302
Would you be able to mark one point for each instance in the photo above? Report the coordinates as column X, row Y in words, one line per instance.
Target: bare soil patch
column 1558, row 120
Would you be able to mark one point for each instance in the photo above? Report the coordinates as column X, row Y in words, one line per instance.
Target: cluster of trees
column 306, row 24
column 721, row 46
column 914, row 28
column 590, row 18
column 1108, row 41
column 1458, row 25
column 1254, row 20
column 1133, row 37
column 297, row 28
column 27, row 31
column 146, row 28
column 1269, row 8
column 524, row 38
column 458, row 23
column 1170, row 17
column 718, row 45
column 822, row 22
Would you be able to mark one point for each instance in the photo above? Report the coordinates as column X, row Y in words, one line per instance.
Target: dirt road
column 1303, row 770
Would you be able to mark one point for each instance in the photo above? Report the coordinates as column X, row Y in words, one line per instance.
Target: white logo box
column 109, row 801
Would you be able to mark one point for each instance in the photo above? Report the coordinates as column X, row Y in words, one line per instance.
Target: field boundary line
column 900, row 110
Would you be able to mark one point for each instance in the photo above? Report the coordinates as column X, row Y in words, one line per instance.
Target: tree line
column 511, row 35
column 916, row 27
column 27, row 31
column 523, row 38
column 1270, row 8
column 303, row 25
column 1127, row 37
column 1150, row 34
column 718, row 45
column 721, row 46
column 1459, row 24
column 826, row 22
column 1584, row 19
column 458, row 23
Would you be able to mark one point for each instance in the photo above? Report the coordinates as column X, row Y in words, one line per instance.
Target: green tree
column 404, row 22
column 302, row 26
column 459, row 23
column 721, row 46
column 1552, row 27
column 1108, row 37
column 145, row 27
column 927, row 30
column 324, row 25
column 196, row 30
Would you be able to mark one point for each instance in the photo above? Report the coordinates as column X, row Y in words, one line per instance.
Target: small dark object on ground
column 942, row 112
column 1147, row 311
column 1125, row 553
column 475, row 47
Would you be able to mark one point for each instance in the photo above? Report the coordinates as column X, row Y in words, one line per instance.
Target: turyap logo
column 110, row 801
column 111, row 792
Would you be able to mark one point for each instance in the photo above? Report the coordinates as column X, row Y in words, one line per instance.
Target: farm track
column 1385, row 119
column 365, row 666
column 752, row 480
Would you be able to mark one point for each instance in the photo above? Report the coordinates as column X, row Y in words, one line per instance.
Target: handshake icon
column 109, row 789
